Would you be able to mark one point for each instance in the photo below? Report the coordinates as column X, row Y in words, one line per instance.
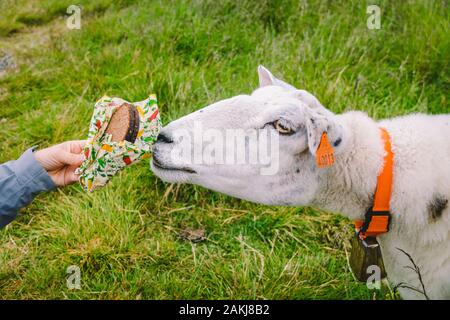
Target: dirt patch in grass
column 19, row 47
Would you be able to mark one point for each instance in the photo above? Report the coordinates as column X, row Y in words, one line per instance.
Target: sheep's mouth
column 162, row 166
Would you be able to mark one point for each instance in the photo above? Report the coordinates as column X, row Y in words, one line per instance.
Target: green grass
column 124, row 237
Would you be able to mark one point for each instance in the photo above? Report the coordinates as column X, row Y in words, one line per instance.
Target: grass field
column 125, row 236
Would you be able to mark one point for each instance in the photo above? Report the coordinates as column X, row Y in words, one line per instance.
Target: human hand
column 61, row 160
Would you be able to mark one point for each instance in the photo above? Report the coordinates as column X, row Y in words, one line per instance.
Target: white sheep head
column 278, row 125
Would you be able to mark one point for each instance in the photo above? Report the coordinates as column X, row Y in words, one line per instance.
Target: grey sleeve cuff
column 31, row 174
column 21, row 180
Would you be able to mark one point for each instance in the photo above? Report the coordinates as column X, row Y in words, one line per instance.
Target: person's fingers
column 71, row 159
column 71, row 175
column 76, row 146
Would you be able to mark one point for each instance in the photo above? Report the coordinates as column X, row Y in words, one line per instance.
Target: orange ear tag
column 324, row 153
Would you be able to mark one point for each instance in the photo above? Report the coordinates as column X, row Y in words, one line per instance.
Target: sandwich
column 120, row 134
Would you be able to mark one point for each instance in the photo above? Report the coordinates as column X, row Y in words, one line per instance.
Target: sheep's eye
column 282, row 129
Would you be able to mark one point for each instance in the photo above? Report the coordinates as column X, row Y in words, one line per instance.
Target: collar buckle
column 374, row 224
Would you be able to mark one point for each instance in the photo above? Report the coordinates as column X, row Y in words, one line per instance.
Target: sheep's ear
column 325, row 136
column 311, row 101
column 266, row 78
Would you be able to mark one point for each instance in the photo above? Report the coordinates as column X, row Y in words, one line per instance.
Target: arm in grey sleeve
column 20, row 181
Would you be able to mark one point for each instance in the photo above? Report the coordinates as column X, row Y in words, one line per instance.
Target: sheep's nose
column 164, row 137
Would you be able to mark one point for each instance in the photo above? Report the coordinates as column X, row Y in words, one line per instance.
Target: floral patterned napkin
column 103, row 157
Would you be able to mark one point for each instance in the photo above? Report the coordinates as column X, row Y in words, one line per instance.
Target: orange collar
column 377, row 218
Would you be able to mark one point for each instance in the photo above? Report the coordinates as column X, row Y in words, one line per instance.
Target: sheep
column 420, row 224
